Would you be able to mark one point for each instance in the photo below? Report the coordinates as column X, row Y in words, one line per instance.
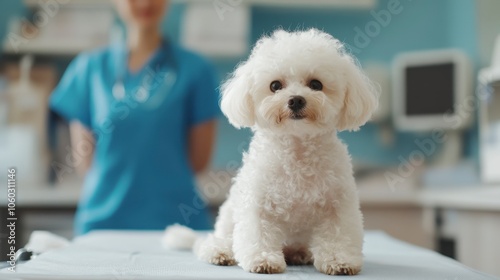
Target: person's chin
column 147, row 23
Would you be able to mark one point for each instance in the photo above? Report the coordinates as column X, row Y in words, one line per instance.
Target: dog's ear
column 361, row 97
column 236, row 101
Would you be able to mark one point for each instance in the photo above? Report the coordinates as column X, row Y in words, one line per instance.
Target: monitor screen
column 429, row 89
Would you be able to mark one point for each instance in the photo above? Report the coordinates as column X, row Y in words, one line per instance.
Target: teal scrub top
column 140, row 177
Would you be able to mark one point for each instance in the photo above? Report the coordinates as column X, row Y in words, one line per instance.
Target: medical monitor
column 432, row 90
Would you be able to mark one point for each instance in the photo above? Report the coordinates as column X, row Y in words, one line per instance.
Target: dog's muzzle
column 296, row 103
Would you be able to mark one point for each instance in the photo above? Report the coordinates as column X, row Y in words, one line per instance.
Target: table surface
column 138, row 255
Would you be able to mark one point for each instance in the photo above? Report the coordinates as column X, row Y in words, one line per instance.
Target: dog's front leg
column 258, row 245
column 337, row 243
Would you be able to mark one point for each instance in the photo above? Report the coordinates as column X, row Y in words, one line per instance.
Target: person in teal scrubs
column 142, row 122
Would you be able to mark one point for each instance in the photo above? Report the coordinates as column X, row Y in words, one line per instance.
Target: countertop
column 214, row 185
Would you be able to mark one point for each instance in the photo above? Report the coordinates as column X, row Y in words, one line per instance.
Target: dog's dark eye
column 315, row 85
column 275, row 86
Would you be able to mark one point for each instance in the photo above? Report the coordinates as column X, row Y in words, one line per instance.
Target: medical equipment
column 489, row 118
column 430, row 89
column 23, row 144
column 432, row 92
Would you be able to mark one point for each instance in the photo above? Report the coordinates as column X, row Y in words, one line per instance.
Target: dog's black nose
column 295, row 103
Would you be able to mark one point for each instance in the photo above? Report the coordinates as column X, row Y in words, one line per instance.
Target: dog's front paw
column 333, row 268
column 222, row 259
column 215, row 251
column 266, row 264
column 268, row 267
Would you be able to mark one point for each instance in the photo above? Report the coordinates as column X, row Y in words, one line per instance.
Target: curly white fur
column 294, row 200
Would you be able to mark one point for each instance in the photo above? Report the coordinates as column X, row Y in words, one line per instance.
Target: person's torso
column 140, row 173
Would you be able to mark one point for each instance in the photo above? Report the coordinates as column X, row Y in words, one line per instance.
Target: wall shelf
column 341, row 4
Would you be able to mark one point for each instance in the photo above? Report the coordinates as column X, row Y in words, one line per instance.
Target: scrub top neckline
column 124, row 56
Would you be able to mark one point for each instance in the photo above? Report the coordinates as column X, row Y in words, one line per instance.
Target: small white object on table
column 139, row 255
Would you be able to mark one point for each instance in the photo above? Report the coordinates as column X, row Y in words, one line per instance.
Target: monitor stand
column 450, row 152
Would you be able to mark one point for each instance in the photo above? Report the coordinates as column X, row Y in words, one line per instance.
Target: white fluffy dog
column 294, row 200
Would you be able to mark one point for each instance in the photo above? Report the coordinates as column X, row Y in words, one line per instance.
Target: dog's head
column 298, row 83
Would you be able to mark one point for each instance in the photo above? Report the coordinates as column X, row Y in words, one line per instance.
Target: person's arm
column 201, row 141
column 82, row 146
column 71, row 100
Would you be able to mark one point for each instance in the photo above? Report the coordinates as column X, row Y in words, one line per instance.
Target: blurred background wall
column 423, row 24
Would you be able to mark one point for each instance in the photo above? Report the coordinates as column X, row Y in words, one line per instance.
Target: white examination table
column 135, row 255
